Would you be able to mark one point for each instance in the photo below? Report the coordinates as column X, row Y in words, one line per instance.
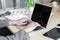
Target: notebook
column 53, row 33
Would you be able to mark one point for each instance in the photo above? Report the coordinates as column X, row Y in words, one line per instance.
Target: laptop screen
column 41, row 14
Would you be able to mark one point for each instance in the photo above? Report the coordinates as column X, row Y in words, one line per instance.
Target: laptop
column 41, row 15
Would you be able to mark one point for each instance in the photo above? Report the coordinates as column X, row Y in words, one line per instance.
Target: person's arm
column 19, row 34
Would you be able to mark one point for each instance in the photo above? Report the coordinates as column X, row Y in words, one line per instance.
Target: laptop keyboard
column 37, row 28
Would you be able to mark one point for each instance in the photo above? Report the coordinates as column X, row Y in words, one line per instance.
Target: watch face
column 5, row 31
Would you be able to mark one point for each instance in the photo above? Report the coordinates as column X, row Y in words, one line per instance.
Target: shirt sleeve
column 4, row 22
column 20, row 35
column 3, row 38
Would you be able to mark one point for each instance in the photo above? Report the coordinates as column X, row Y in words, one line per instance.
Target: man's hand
column 31, row 27
column 17, row 22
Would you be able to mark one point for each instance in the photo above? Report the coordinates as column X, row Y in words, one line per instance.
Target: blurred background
column 6, row 5
column 17, row 3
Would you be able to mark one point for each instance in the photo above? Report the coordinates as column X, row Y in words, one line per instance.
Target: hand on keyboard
column 30, row 27
column 19, row 22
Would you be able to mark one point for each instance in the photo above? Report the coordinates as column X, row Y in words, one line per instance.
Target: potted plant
column 29, row 4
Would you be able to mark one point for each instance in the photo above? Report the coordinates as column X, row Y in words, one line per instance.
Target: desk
column 53, row 21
